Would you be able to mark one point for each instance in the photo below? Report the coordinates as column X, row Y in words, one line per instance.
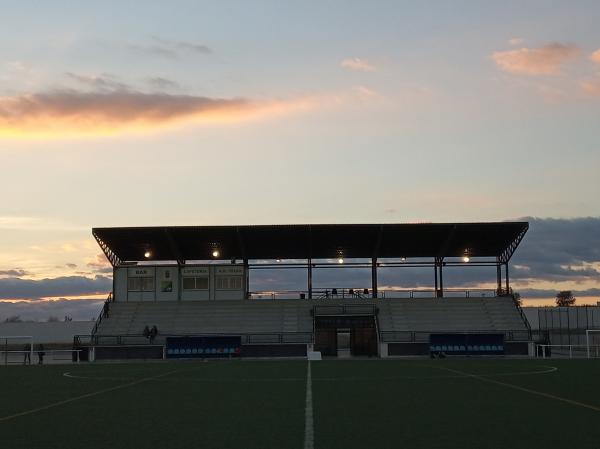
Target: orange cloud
column 545, row 60
column 596, row 56
column 358, row 64
column 591, row 86
column 71, row 112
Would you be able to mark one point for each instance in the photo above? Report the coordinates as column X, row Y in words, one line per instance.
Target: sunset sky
column 182, row 113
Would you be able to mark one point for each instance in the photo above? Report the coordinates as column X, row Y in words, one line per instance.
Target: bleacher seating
column 289, row 316
column 198, row 317
column 450, row 314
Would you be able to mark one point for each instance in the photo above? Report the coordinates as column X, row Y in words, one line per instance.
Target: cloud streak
column 73, row 112
column 358, row 64
column 546, row 60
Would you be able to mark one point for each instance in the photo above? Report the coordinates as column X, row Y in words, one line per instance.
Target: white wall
column 168, row 282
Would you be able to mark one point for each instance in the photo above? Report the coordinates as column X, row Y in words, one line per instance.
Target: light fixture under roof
column 147, row 254
column 466, row 259
column 341, row 260
column 216, row 253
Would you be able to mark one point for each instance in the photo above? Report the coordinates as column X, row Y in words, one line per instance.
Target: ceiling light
column 340, row 260
column 466, row 259
column 147, row 254
column 215, row 253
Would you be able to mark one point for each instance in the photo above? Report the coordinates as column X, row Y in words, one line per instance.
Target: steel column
column 441, row 278
column 309, row 278
column 247, row 275
column 374, row 276
column 507, row 279
column 435, row 273
column 499, row 277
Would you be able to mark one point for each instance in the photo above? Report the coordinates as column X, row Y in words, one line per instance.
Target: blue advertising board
column 203, row 347
column 467, row 344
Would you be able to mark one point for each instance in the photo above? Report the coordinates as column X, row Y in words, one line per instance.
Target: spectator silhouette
column 27, row 354
column 41, row 354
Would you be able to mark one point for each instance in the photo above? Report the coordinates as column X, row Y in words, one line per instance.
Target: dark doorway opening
column 346, row 336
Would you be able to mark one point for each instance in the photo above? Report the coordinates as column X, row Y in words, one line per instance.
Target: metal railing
column 336, row 293
column 247, row 338
column 103, row 313
column 423, row 336
column 345, row 309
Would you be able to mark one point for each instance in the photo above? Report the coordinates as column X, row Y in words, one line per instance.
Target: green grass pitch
column 451, row 403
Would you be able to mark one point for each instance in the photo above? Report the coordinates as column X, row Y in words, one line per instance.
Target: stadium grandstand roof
column 311, row 241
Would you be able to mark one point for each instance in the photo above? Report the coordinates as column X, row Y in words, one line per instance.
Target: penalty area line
column 524, row 389
column 83, row 396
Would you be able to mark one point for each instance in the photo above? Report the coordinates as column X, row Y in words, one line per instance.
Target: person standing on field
column 41, row 354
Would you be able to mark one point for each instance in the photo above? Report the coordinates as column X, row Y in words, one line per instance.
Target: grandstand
column 193, row 282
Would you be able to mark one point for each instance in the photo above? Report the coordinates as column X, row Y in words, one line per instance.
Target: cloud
column 545, row 60
column 163, row 84
column 172, row 49
column 15, row 288
column 516, row 41
column 100, row 264
column 591, row 86
column 73, row 112
column 104, row 82
column 559, row 250
column 595, row 56
column 358, row 64
column 17, row 272
column 41, row 310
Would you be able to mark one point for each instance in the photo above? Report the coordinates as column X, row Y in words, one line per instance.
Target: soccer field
column 452, row 403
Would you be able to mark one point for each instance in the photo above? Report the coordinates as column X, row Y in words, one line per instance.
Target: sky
column 129, row 113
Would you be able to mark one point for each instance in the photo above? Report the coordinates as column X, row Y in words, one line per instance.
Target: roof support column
column 498, row 277
column 507, row 279
column 247, row 277
column 441, row 265
column 439, row 277
column 374, row 276
column 435, row 274
column 309, row 278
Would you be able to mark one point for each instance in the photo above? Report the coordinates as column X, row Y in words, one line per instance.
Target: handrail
column 103, row 313
column 522, row 314
column 336, row 293
column 247, row 338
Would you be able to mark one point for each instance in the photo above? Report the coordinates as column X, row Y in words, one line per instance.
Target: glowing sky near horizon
column 142, row 113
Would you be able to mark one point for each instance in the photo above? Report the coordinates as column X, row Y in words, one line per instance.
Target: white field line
column 83, row 396
column 523, row 389
column 309, row 430
column 548, row 369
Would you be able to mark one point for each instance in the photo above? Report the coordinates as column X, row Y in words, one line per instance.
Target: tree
column 565, row 298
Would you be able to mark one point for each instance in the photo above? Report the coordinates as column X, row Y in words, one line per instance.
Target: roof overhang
column 496, row 240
